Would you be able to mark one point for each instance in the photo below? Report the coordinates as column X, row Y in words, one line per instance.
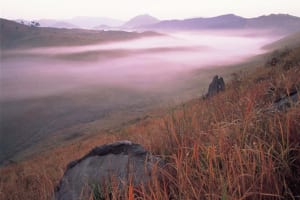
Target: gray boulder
column 217, row 85
column 285, row 102
column 119, row 162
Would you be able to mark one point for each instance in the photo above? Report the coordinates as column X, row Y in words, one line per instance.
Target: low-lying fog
column 138, row 63
column 46, row 90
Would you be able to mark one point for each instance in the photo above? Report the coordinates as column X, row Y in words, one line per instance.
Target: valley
column 197, row 104
column 50, row 94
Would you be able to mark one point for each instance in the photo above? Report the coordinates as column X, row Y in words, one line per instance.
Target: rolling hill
column 56, row 24
column 90, row 22
column 15, row 35
column 290, row 41
column 231, row 146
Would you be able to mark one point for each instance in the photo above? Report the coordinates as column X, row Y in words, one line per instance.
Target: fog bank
column 145, row 62
column 69, row 92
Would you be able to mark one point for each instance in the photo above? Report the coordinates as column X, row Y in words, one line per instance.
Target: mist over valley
column 56, row 80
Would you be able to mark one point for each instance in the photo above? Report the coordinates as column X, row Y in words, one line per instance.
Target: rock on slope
column 119, row 163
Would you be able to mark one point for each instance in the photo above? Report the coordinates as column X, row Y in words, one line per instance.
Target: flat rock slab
column 122, row 161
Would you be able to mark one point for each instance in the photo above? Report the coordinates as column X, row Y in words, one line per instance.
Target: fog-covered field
column 67, row 92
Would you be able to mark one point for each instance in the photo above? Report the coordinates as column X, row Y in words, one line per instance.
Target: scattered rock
column 217, row 85
column 285, row 102
column 122, row 162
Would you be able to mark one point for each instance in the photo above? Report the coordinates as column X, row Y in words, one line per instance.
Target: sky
column 125, row 9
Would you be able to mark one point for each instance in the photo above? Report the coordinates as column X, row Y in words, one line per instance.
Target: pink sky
column 125, row 9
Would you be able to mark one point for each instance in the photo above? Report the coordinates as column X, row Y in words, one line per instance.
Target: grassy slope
column 291, row 41
column 227, row 147
column 70, row 116
column 81, row 115
column 15, row 35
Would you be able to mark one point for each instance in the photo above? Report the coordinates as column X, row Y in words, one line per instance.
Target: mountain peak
column 228, row 16
column 141, row 20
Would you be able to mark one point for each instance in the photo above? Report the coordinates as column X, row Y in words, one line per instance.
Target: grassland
column 14, row 35
column 291, row 41
column 231, row 146
column 42, row 123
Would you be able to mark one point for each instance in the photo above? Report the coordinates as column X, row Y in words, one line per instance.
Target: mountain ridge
column 281, row 22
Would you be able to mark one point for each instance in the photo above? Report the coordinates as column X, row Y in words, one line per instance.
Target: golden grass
column 228, row 147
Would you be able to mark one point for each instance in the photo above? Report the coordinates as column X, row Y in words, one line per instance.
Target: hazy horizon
column 66, row 9
column 127, row 19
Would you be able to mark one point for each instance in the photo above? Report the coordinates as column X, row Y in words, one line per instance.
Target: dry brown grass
column 228, row 147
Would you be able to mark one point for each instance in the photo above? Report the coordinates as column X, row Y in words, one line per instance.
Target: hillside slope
column 290, row 41
column 15, row 35
column 235, row 145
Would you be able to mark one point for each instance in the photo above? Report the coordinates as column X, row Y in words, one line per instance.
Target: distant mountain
column 284, row 22
column 79, row 22
column 107, row 28
column 279, row 22
column 56, row 24
column 140, row 20
column 91, row 22
column 224, row 21
column 102, row 27
column 63, row 25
